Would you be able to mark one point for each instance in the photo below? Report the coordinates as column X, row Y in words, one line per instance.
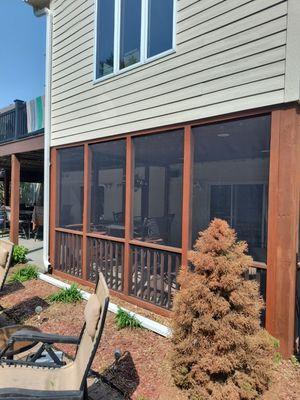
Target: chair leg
column 85, row 392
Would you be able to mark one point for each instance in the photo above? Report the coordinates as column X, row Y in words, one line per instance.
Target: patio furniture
column 37, row 220
column 27, row 379
column 18, row 347
column 6, row 251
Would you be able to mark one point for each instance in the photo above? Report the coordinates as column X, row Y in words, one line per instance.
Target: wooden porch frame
column 276, row 274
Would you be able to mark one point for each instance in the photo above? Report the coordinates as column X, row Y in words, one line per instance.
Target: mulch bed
column 144, row 371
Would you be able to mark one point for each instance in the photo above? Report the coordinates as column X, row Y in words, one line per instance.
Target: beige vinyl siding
column 230, row 56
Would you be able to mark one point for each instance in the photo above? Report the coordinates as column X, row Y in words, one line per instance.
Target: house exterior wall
column 230, row 56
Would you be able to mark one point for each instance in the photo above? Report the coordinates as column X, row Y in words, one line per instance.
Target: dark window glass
column 108, row 188
column 105, row 42
column 160, row 26
column 231, row 172
column 70, row 191
column 157, row 199
column 130, row 39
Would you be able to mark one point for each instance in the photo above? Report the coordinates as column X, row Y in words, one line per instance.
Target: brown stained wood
column 15, row 199
column 105, row 259
column 86, row 207
column 283, row 226
column 162, row 270
column 117, row 267
column 142, row 303
column 187, row 195
column 111, row 256
column 53, row 200
column 105, row 237
column 128, row 214
column 155, row 246
column 148, row 263
column 22, row 146
column 135, row 269
column 155, row 256
column 142, row 283
column 130, row 261
column 169, row 279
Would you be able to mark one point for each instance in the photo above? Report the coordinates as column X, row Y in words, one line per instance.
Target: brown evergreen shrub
column 220, row 350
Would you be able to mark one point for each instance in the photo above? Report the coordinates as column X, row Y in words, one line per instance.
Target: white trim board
column 146, row 323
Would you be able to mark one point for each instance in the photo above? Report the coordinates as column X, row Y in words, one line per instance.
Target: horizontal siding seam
column 170, row 69
column 171, row 113
column 203, row 10
column 242, row 70
column 222, row 13
column 70, row 13
column 73, row 25
column 168, row 80
column 79, row 50
column 73, row 43
column 179, row 101
column 171, row 57
column 234, row 21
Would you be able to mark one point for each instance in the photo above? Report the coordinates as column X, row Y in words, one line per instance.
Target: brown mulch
column 143, row 371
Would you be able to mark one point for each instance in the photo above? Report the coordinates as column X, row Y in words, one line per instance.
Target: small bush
column 220, row 350
column 295, row 361
column 19, row 254
column 125, row 320
column 66, row 295
column 24, row 274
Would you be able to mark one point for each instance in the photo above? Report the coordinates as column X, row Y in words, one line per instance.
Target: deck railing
column 13, row 123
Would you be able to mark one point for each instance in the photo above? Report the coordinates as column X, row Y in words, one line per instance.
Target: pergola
column 20, row 161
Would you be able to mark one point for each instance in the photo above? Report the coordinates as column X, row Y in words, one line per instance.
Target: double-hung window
column 130, row 32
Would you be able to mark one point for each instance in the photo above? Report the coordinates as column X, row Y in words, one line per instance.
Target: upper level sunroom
column 132, row 32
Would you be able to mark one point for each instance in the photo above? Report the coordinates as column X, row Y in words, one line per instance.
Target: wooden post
column 54, row 174
column 86, row 207
column 187, row 195
column 128, row 214
column 15, row 199
column 283, row 227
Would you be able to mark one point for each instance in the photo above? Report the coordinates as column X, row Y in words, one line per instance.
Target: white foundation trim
column 146, row 323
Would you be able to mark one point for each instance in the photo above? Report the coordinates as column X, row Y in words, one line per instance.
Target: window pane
column 130, row 40
column 160, row 26
column 158, row 188
column 108, row 188
column 231, row 171
column 105, row 42
column 70, row 191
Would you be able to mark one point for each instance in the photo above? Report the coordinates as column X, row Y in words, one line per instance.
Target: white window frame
column 144, row 39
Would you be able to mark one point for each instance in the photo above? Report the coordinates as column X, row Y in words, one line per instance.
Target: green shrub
column 125, row 320
column 24, row 274
column 19, row 254
column 66, row 295
column 295, row 361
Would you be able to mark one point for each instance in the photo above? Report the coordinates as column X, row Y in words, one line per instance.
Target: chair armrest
column 27, row 335
column 6, row 361
column 17, row 394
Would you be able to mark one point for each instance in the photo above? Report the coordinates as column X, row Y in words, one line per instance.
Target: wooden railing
column 153, row 271
column 106, row 256
column 13, row 123
column 153, row 275
column 68, row 253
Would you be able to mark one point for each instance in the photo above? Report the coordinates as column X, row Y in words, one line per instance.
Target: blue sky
column 22, row 52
